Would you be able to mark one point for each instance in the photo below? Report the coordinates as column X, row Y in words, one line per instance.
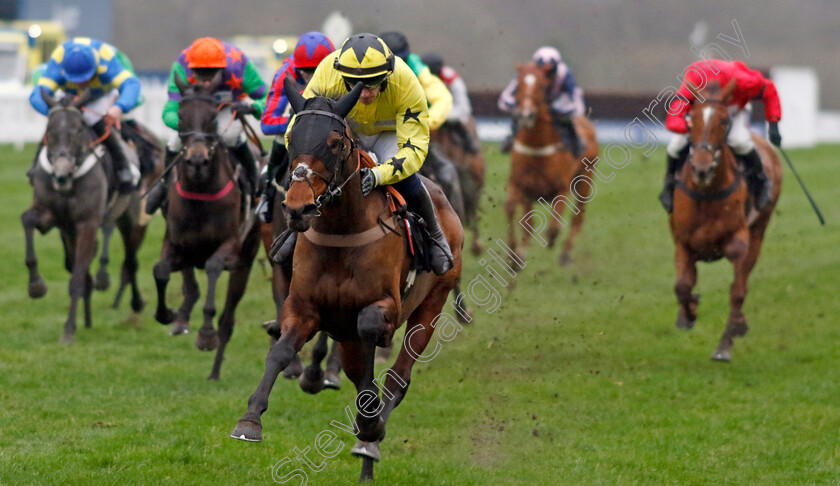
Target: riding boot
column 249, row 165
column 421, row 203
column 757, row 182
column 157, row 194
column 278, row 164
column 666, row 197
column 125, row 181
column 468, row 143
column 284, row 255
column 565, row 125
column 507, row 144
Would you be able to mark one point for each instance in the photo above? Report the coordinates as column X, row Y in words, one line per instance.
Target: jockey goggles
column 369, row 83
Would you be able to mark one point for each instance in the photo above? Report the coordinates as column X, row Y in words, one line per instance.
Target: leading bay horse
column 541, row 168
column 350, row 273
column 75, row 191
column 206, row 224
column 710, row 220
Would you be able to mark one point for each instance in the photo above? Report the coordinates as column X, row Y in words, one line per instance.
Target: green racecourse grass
column 580, row 377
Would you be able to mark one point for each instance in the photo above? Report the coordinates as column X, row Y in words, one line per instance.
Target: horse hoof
column 207, row 340
column 476, row 249
column 565, row 260
column 67, row 339
column 332, row 380
column 165, row 317
column 180, row 327
column 312, row 380
column 684, row 323
column 366, row 449
column 102, row 280
column 247, row 430
column 466, row 318
column 293, row 370
column 37, row 289
column 137, row 305
column 723, row 356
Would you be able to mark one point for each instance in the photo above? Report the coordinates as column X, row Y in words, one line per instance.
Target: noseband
column 211, row 140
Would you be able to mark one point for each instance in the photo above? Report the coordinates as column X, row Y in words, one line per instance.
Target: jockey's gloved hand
column 774, row 135
column 243, row 108
column 368, row 180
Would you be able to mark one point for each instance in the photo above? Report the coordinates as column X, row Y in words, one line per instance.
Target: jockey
column 311, row 48
column 750, row 85
column 461, row 113
column 391, row 120
column 438, row 96
column 85, row 64
column 565, row 99
column 199, row 63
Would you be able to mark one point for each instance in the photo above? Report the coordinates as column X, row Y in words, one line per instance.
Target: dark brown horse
column 352, row 282
column 710, row 220
column 471, row 168
column 541, row 167
column 206, row 224
column 71, row 182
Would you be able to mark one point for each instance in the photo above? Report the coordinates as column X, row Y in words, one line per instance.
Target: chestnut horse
column 710, row 221
column 206, row 224
column 471, row 168
column 540, row 166
column 74, row 190
column 351, row 282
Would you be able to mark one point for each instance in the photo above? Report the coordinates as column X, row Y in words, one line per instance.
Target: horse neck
column 351, row 212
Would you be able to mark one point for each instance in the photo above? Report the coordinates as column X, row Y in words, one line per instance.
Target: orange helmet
column 207, row 52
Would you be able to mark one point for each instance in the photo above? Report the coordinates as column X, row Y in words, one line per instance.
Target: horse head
column 197, row 111
column 320, row 143
column 68, row 140
column 531, row 86
column 709, row 122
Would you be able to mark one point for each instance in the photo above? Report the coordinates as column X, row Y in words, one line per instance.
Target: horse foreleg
column 686, row 279
column 132, row 236
column 376, row 324
column 80, row 253
column 513, row 198
column 577, row 223
column 103, row 280
column 332, row 378
column 237, row 283
column 739, row 252
column 299, row 323
column 553, row 231
column 30, row 220
column 191, row 294
column 162, row 272
column 312, row 379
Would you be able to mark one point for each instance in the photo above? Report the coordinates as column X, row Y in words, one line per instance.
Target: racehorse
column 710, row 220
column 74, row 190
column 206, row 224
column 540, row 165
column 471, row 168
column 351, row 272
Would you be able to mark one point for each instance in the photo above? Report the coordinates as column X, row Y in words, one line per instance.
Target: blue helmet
column 79, row 64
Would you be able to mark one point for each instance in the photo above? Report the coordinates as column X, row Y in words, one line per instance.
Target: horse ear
column 728, row 91
column 82, row 100
column 292, row 90
column 48, row 98
column 216, row 81
column 345, row 104
column 181, row 83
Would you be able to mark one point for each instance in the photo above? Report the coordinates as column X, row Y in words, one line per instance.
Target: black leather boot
column 441, row 256
column 666, row 197
column 157, row 194
column 468, row 143
column 757, row 182
column 278, row 164
column 249, row 165
column 507, row 144
column 566, row 127
column 125, row 181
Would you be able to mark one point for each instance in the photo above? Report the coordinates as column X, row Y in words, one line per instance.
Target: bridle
column 82, row 164
column 705, row 145
column 302, row 173
column 211, row 139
